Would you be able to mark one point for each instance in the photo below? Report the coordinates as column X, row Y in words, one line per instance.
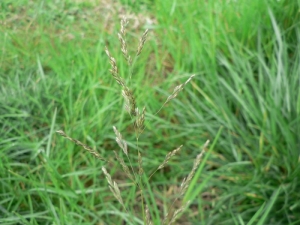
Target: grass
column 245, row 98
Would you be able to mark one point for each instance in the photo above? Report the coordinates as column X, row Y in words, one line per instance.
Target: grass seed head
column 178, row 89
column 142, row 42
column 169, row 156
column 130, row 103
column 121, row 142
column 86, row 147
column 113, row 186
column 186, row 181
column 124, row 166
column 140, row 120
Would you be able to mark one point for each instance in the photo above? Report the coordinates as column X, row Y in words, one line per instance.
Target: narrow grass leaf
column 51, row 133
column 269, row 206
column 257, row 214
column 190, row 193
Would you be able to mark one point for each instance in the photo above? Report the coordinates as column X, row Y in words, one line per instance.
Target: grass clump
column 246, row 59
column 138, row 176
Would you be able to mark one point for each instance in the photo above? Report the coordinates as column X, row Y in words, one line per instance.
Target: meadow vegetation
column 242, row 63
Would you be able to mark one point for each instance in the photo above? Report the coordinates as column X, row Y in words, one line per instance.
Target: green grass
column 245, row 96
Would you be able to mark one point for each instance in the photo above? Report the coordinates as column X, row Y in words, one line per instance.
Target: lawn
column 243, row 58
